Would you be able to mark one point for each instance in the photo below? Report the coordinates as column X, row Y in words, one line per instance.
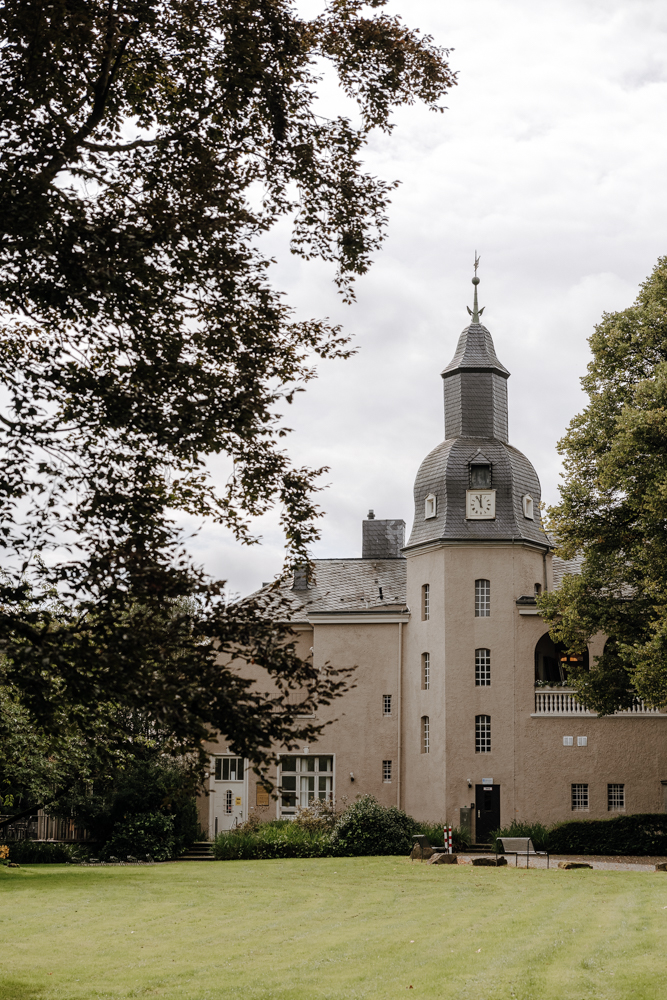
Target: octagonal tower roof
column 476, row 433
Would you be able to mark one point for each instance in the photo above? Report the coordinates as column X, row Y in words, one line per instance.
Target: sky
column 550, row 162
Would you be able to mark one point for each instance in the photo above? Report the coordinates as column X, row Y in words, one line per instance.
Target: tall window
column 580, row 796
column 228, row 801
column 482, row 599
column 386, row 770
column 482, row 667
column 615, row 797
column 426, row 671
column 386, row 704
column 426, row 602
column 482, row 734
column 426, row 743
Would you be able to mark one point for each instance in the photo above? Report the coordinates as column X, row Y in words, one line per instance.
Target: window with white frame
column 426, row 671
column 426, row 734
column 482, row 734
column 304, row 779
column 426, row 602
column 482, row 668
column 615, row 797
column 386, row 770
column 528, row 507
column 430, row 506
column 579, row 797
column 482, row 599
column 229, row 800
column 386, row 704
column 229, row 768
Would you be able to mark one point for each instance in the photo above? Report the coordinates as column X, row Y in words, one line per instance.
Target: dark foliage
column 277, row 839
column 368, row 828
column 640, row 834
column 140, row 835
column 29, row 852
column 147, row 148
column 613, row 509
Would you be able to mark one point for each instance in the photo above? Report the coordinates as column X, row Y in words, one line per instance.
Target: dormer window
column 528, row 507
column 430, row 506
column 480, row 475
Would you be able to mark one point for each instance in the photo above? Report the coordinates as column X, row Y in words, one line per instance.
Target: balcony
column 562, row 701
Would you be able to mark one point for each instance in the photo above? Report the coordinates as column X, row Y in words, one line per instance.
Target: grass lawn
column 327, row 928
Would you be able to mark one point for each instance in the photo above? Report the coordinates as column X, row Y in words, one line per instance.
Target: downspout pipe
column 399, row 713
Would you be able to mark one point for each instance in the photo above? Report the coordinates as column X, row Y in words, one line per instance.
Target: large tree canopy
column 147, row 147
column 613, row 508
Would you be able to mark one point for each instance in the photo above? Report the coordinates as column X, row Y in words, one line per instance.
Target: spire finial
column 475, row 312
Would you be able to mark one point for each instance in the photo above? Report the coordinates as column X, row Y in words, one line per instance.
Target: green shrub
column 30, row 852
column 276, row 839
column 436, row 835
column 367, row 828
column 140, row 835
column 640, row 834
column 538, row 833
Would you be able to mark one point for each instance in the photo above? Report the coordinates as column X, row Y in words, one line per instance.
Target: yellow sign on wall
column 262, row 796
column 238, row 800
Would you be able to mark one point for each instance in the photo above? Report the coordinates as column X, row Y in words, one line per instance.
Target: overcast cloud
column 551, row 162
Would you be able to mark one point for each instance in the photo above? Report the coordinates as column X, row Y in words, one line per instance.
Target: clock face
column 480, row 505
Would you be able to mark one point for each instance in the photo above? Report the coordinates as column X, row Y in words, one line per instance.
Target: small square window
column 579, row 797
column 430, row 506
column 568, row 741
column 386, row 770
column 528, row 507
column 582, row 741
column 615, row 797
column 386, row 704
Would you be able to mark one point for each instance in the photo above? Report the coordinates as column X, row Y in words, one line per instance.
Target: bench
column 519, row 846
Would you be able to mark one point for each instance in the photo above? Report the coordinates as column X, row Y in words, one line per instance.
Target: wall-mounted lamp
column 469, row 782
column 351, row 776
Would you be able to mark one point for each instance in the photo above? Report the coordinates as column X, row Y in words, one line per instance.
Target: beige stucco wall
column 527, row 758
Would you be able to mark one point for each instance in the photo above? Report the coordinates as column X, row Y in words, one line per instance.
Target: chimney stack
column 382, row 539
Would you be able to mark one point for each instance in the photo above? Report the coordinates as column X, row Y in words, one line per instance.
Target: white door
column 227, row 786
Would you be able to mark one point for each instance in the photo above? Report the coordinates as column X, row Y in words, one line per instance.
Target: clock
column 480, row 505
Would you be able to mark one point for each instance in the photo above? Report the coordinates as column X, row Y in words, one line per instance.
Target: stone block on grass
column 440, row 858
column 416, row 853
column 661, row 866
column 496, row 862
column 569, row 865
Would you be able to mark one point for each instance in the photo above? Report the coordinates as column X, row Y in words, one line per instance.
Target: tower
column 477, row 547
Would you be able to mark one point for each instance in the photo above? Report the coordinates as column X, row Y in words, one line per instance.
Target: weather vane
column 475, row 312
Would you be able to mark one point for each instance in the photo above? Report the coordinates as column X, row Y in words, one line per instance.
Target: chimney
column 382, row 539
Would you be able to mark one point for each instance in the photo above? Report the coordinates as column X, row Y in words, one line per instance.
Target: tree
column 148, row 146
column 613, row 508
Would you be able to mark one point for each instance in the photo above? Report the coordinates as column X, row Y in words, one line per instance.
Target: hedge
column 643, row 834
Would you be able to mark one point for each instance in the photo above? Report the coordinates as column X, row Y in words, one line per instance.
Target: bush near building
column 642, row 834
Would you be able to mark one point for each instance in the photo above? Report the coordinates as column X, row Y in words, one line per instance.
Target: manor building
column 461, row 710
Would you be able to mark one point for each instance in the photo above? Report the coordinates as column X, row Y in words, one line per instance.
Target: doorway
column 487, row 811
column 227, row 789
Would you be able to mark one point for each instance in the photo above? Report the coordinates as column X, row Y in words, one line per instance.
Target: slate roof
column 563, row 567
column 343, row 585
column 475, row 352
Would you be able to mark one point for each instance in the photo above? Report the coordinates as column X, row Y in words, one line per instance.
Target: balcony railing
column 563, row 701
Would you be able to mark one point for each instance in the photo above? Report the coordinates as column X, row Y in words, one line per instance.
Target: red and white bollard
column 448, row 839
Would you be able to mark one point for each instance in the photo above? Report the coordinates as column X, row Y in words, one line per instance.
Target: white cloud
column 551, row 162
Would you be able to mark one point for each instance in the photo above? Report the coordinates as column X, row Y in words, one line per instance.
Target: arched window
column 482, row 599
column 426, row 671
column 482, row 734
column 426, row 741
column 482, row 668
column 552, row 661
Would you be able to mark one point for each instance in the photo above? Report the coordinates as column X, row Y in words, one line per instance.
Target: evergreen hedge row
column 643, row 834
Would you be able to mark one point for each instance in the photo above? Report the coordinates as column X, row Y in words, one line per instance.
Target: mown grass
column 335, row 929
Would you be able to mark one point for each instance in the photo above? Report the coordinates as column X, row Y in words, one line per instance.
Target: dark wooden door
column 487, row 811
